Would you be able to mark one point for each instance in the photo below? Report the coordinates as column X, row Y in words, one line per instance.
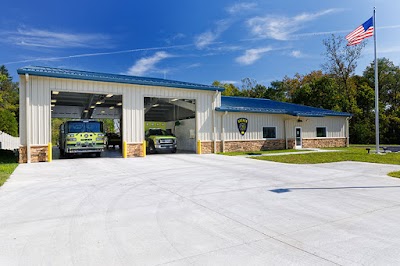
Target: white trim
column 326, row 138
column 301, row 138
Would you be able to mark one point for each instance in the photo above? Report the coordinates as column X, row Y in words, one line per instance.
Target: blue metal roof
column 96, row 76
column 256, row 105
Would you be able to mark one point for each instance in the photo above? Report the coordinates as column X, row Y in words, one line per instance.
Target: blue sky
column 195, row 41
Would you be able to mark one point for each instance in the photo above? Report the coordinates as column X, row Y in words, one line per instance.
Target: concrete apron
column 199, row 209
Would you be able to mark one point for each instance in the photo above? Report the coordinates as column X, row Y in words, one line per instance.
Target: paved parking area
column 187, row 209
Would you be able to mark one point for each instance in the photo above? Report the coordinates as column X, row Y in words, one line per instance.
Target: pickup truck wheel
column 174, row 150
column 152, row 149
column 98, row 154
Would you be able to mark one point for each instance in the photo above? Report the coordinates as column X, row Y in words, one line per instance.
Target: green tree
column 230, row 89
column 8, row 103
column 8, row 123
column 341, row 62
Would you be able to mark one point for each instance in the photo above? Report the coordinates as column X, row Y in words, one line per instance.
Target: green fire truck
column 81, row 136
column 158, row 138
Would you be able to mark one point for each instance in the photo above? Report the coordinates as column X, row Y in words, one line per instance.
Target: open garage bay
column 181, row 209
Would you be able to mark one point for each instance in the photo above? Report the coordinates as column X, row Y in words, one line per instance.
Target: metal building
column 208, row 122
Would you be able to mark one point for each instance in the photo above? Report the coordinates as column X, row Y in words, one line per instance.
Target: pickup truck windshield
column 79, row 127
column 157, row 132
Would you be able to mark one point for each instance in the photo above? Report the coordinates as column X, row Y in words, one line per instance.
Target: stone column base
column 134, row 150
column 38, row 154
column 208, row 147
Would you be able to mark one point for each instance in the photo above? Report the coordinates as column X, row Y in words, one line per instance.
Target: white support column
column 223, row 131
column 214, row 105
column 28, row 119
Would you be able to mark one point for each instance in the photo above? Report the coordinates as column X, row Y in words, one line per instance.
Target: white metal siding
column 133, row 105
column 335, row 126
column 22, row 110
column 256, row 122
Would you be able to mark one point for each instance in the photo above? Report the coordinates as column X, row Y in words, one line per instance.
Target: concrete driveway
column 186, row 209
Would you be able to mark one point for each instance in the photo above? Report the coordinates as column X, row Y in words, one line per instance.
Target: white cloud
column 146, row 64
column 252, row 55
column 240, row 7
column 208, row 37
column 52, row 39
column 229, row 82
column 195, row 65
column 297, row 54
column 282, row 28
column 175, row 37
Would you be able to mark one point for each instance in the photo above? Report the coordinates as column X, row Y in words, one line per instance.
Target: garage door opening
column 170, row 125
column 86, row 125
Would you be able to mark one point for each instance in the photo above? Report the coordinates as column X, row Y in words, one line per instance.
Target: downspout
column 223, row 131
column 285, row 133
column 27, row 113
column 347, row 132
column 214, row 126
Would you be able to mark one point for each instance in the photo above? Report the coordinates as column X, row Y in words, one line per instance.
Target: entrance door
column 298, row 138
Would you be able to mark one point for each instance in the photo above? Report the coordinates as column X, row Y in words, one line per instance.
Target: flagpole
column 376, row 91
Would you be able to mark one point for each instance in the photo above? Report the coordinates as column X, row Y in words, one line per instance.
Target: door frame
column 295, row 138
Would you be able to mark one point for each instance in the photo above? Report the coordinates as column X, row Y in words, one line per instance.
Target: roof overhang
column 277, row 111
column 115, row 78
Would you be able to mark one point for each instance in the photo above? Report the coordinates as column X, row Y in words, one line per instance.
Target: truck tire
column 98, row 154
column 174, row 150
column 152, row 148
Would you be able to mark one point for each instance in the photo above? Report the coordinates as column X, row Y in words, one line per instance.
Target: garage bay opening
column 170, row 125
column 86, row 125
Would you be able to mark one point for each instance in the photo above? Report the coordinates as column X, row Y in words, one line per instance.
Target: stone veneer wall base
column 38, row 154
column 324, row 143
column 232, row 146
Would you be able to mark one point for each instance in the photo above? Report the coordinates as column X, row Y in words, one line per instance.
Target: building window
column 269, row 132
column 321, row 132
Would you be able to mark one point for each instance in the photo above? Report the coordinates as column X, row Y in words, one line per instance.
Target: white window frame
column 326, row 132
column 276, row 132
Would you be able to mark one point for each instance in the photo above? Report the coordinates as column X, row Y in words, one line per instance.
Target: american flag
column 365, row 30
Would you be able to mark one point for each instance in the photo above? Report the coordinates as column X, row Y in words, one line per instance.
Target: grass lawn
column 235, row 153
column 7, row 165
column 394, row 174
column 356, row 154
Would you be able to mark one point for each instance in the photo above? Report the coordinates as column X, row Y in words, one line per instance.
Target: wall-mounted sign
column 242, row 125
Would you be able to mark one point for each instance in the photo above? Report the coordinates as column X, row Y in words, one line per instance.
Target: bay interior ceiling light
column 111, row 107
column 174, row 100
column 55, row 92
column 155, row 105
column 92, row 106
column 52, row 105
column 119, row 104
column 103, row 112
column 85, row 111
column 109, row 95
column 53, row 100
column 98, row 102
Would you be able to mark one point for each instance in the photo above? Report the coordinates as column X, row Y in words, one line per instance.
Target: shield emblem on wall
column 242, row 125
